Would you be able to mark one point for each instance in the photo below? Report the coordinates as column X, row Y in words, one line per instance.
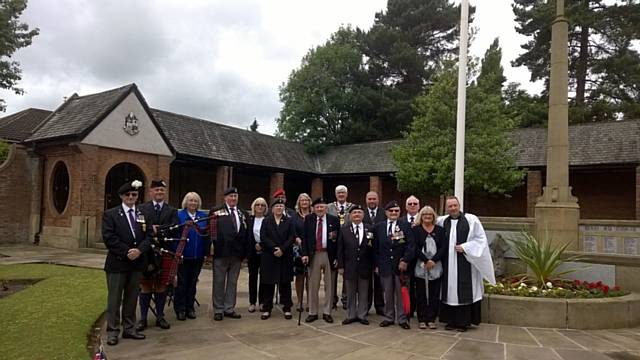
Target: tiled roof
column 590, row 144
column 79, row 114
column 17, row 127
column 205, row 139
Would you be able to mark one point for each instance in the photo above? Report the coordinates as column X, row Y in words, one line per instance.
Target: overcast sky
column 219, row 60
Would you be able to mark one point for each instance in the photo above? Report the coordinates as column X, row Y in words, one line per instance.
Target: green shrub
column 4, row 151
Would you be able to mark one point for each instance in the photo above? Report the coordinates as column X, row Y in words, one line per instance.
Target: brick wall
column 16, row 191
column 605, row 193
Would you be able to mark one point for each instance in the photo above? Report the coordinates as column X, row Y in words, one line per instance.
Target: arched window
column 60, row 187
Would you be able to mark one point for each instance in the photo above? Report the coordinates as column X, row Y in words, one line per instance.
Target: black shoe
column 364, row 321
column 181, row 316
column 142, row 324
column 405, row 325
column 162, row 324
column 288, row 315
column 112, row 341
column 348, row 321
column 134, row 336
column 449, row 327
column 265, row 315
column 461, row 329
column 233, row 315
column 327, row 318
column 218, row 317
column 386, row 323
column 311, row 318
column 191, row 314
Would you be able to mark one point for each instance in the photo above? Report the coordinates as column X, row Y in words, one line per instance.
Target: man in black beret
column 127, row 237
column 355, row 261
column 157, row 213
column 394, row 251
column 229, row 249
column 320, row 250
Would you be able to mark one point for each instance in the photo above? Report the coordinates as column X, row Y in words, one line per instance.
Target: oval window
column 60, row 189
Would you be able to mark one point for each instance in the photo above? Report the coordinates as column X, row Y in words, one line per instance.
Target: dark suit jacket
column 228, row 241
column 168, row 216
column 388, row 252
column 276, row 269
column 118, row 239
column 380, row 216
column 356, row 259
column 309, row 239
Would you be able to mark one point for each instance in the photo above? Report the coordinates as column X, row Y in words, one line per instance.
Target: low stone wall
column 601, row 313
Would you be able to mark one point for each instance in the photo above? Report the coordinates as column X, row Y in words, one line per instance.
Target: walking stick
column 300, row 308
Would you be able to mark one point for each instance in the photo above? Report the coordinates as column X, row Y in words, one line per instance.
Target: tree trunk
column 583, row 61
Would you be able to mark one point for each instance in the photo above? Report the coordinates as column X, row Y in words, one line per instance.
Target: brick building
column 65, row 166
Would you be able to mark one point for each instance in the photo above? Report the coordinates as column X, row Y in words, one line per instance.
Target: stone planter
column 603, row 313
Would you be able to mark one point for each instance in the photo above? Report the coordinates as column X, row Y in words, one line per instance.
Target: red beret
column 278, row 192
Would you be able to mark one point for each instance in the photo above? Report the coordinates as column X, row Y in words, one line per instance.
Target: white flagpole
column 462, row 99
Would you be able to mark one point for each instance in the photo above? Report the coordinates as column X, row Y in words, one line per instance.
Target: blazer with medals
column 389, row 250
column 356, row 258
column 275, row 269
column 309, row 239
column 118, row 238
column 228, row 240
column 380, row 216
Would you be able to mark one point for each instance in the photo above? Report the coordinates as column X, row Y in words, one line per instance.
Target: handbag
column 429, row 250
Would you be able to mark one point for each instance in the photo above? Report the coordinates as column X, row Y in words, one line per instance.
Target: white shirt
column 324, row 230
column 126, row 214
column 360, row 230
column 393, row 226
column 409, row 218
column 235, row 212
column 257, row 224
column 375, row 212
column 158, row 203
column 192, row 215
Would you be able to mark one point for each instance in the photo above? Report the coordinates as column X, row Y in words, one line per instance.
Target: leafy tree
column 320, row 97
column 13, row 36
column 604, row 69
column 254, row 125
column 4, row 151
column 426, row 160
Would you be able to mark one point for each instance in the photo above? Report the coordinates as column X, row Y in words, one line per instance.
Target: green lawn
column 50, row 319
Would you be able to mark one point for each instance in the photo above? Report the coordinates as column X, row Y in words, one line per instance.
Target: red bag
column 406, row 297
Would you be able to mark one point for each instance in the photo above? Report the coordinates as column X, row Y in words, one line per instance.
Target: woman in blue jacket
column 195, row 250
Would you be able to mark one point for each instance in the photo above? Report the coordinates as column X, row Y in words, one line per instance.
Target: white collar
column 126, row 208
column 158, row 203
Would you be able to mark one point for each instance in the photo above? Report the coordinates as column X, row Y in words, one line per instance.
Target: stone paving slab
column 277, row 338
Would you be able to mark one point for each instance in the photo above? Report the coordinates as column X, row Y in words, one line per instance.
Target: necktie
column 373, row 214
column 390, row 232
column 357, row 233
column 157, row 207
column 342, row 209
column 132, row 221
column 411, row 220
column 319, row 235
column 233, row 218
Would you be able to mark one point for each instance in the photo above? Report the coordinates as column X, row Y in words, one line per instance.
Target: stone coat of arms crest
column 131, row 124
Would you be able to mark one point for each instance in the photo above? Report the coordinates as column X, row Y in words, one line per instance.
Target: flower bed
column 566, row 289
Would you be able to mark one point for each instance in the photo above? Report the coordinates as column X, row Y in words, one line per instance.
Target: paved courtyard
column 277, row 338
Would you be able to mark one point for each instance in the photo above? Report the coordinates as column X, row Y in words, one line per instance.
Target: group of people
column 154, row 247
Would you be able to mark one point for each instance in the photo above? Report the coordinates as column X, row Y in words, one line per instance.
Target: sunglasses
column 412, row 204
column 131, row 194
column 393, row 211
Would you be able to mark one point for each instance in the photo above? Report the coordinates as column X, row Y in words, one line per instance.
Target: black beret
column 277, row 202
column 231, row 190
column 391, row 204
column 158, row 183
column 356, row 207
column 134, row 185
column 319, row 200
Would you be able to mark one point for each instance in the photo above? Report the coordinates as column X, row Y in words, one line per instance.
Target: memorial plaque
column 610, row 245
column 589, row 244
column 631, row 246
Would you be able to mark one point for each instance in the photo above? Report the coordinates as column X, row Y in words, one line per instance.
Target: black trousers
column 184, row 296
column 284, row 288
column 255, row 293
column 428, row 313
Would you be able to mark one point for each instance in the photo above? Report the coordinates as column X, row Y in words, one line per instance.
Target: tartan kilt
column 161, row 277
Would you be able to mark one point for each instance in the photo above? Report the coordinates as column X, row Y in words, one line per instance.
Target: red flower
column 605, row 289
column 599, row 283
column 577, row 282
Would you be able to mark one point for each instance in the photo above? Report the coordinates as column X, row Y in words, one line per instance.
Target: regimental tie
column 373, row 214
column 411, row 220
column 132, row 222
column 357, row 233
column 319, row 235
column 158, row 208
column 233, row 218
column 390, row 232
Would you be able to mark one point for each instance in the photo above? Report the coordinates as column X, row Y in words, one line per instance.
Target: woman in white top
column 257, row 214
